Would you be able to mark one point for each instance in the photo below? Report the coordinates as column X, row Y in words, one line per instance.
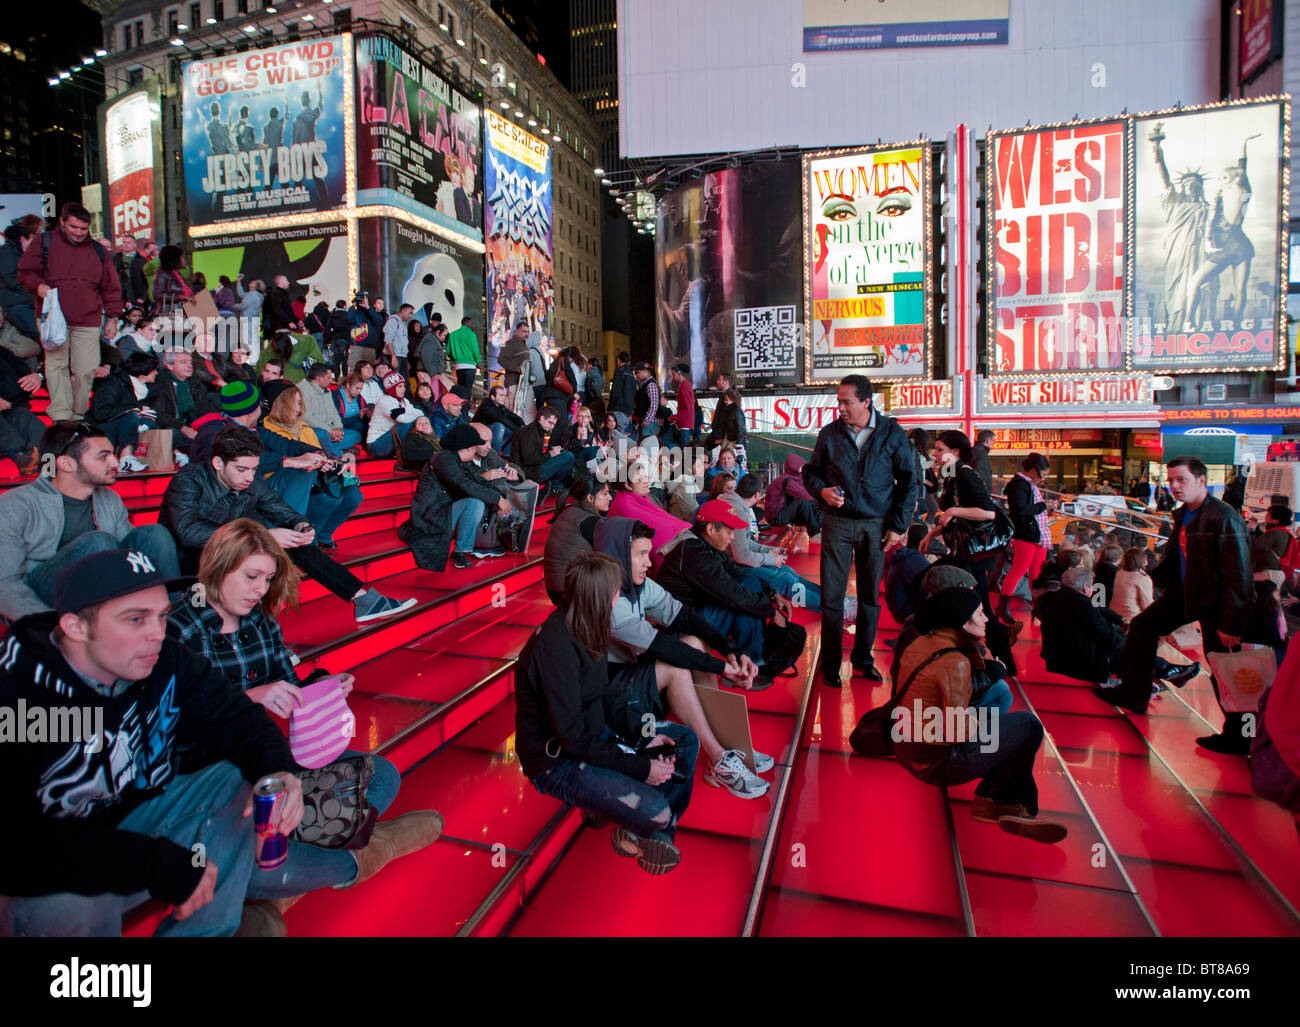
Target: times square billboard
column 1148, row 242
column 264, row 132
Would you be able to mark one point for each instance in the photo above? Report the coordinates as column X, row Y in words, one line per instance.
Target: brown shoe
column 29, row 463
column 261, row 919
column 1034, row 828
column 988, row 811
column 394, row 839
column 1014, row 629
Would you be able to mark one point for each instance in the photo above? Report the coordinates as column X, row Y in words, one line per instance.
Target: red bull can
column 270, row 846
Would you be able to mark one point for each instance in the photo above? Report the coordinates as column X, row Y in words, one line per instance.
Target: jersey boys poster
column 264, row 131
column 517, row 225
column 1207, row 210
column 417, row 139
column 867, row 234
column 1055, row 202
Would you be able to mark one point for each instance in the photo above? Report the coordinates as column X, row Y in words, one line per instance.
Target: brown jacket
column 945, row 683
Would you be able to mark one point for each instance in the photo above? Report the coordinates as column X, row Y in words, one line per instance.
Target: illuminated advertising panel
column 1207, row 258
column 903, row 24
column 417, row 139
column 517, row 229
column 867, row 228
column 264, row 131
column 1055, row 252
column 132, row 134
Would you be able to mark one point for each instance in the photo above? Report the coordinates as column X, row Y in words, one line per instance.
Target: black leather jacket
column 1219, row 586
column 879, row 481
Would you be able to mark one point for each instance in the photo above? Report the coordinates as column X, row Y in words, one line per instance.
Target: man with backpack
column 68, row 260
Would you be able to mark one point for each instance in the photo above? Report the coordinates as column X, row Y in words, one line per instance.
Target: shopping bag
column 54, row 326
column 158, row 449
column 1243, row 674
column 321, row 727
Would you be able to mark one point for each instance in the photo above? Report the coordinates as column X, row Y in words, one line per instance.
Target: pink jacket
column 650, row 513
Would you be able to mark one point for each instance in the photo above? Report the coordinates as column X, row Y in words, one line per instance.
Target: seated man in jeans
column 469, row 493
column 543, row 463
column 203, row 497
column 55, row 521
column 97, row 828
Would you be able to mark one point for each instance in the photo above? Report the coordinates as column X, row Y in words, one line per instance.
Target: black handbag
column 969, row 540
column 874, row 734
column 335, row 813
column 510, row 531
column 329, row 482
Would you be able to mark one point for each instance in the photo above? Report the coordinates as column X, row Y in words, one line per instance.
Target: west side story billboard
column 417, row 139
column 517, row 226
column 264, row 131
column 1146, row 242
column 867, row 234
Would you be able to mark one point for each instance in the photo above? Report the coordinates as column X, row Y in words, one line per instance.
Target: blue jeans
column 648, row 811
column 384, row 446
column 309, row 866
column 746, row 630
column 785, row 581
column 350, row 438
column 554, row 468
column 466, row 516
column 153, row 540
column 334, row 449
column 624, row 421
column 1007, row 773
column 327, row 512
column 294, row 487
column 996, row 696
column 500, row 436
column 206, row 807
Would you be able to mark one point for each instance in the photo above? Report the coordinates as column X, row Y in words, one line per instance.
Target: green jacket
column 304, row 348
column 462, row 346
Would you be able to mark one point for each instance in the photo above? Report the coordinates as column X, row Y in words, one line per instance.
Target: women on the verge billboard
column 517, row 229
column 867, row 234
column 264, row 131
column 1207, row 251
column 417, row 139
column 1054, row 200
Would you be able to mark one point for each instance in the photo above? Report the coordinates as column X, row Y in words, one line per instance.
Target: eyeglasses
column 81, row 431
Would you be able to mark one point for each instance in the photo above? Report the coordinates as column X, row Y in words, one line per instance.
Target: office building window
column 126, row 36
column 343, row 18
column 173, row 19
column 241, row 6
column 442, row 15
column 196, row 15
column 218, row 9
column 134, row 76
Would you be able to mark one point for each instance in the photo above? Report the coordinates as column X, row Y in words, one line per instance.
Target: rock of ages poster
column 867, row 223
column 1208, row 213
column 264, row 132
column 1055, row 203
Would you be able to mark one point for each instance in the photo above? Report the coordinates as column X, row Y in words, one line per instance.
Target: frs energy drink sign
column 265, row 131
column 1056, row 274
column 132, row 148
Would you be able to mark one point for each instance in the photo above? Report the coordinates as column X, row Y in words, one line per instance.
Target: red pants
column 1028, row 559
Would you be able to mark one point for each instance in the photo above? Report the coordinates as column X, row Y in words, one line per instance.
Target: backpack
column 874, row 734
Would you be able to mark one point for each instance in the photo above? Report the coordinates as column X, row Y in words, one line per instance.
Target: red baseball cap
column 719, row 511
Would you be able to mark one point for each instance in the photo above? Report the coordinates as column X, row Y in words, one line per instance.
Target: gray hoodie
column 31, row 524
column 632, row 633
column 744, row 549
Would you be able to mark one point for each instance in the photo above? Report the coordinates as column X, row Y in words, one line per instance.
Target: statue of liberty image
column 1202, row 241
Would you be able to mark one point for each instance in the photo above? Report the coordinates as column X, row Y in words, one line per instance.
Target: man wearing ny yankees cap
column 94, row 826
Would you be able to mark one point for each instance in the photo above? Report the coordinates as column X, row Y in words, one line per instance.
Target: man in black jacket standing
column 982, row 464
column 99, row 817
column 1204, row 576
column 863, row 473
column 622, row 391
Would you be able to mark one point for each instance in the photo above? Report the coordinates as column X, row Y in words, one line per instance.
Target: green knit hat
column 238, row 398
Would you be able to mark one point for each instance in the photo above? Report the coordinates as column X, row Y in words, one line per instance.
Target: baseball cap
column 719, row 511
column 106, row 575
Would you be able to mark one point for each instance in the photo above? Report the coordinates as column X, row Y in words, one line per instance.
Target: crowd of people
column 667, row 560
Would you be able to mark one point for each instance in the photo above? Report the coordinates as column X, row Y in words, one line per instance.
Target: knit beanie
column 239, row 397
column 391, row 381
column 462, row 436
column 942, row 576
column 949, row 608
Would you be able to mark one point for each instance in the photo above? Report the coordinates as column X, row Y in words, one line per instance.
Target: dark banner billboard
column 314, row 257
column 729, row 276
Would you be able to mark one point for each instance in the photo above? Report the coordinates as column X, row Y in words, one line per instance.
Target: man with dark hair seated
column 494, row 413
column 56, row 520
column 100, row 821
column 470, row 494
column 204, row 496
column 1086, row 642
column 19, row 427
column 536, row 448
column 906, row 565
column 697, row 571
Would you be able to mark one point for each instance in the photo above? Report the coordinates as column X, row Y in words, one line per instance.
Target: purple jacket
column 786, row 487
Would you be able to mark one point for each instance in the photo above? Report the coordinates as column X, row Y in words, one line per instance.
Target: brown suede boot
column 394, row 839
column 988, row 811
column 261, row 919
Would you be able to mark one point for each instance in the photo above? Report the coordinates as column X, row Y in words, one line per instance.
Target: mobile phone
column 839, row 491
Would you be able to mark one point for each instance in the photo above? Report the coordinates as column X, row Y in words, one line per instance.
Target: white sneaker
column 763, row 762
column 850, row 609
column 182, row 459
column 130, row 464
column 731, row 773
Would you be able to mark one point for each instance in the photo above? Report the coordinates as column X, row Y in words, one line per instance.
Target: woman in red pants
column 1032, row 536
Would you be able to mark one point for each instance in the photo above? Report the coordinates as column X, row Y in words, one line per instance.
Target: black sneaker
column 652, row 855
column 460, row 560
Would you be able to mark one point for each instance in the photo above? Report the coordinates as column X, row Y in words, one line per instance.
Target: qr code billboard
column 765, row 339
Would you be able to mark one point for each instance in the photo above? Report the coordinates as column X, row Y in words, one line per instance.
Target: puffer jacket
column 1219, row 586
column 565, row 543
column 945, row 682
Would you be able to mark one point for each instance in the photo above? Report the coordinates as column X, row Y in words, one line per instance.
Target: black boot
column 1176, row 674
column 1004, row 615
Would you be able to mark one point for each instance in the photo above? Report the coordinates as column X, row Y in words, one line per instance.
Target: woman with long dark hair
column 569, row 725
column 1029, row 519
column 963, row 495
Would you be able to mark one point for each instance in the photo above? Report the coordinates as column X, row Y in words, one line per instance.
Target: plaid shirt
column 1044, row 531
column 254, row 655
